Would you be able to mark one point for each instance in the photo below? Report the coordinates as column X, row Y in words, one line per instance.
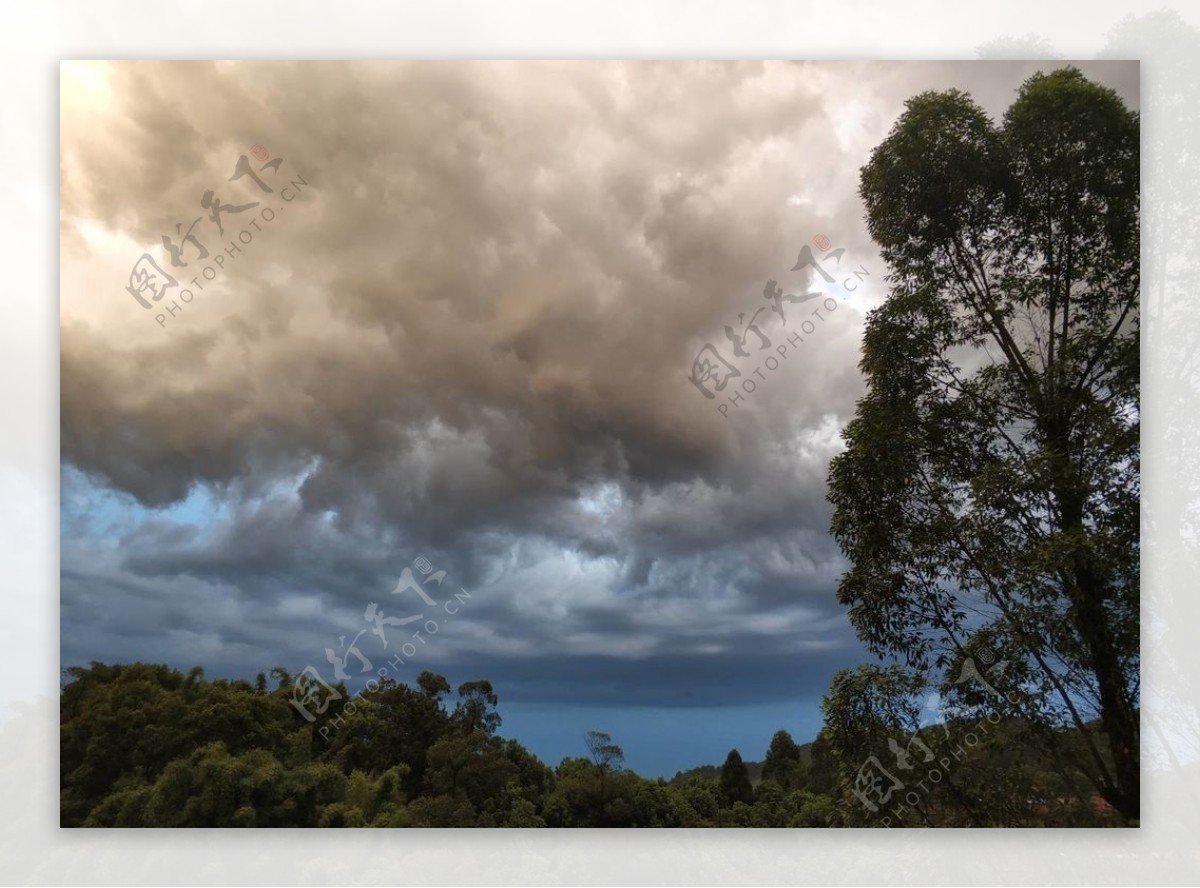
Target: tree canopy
column 147, row 745
column 987, row 499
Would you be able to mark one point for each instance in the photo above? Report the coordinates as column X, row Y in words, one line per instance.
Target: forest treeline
column 147, row 745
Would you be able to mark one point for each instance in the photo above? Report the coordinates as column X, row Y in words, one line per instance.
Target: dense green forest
column 146, row 745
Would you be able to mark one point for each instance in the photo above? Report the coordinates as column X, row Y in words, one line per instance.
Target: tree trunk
column 1087, row 592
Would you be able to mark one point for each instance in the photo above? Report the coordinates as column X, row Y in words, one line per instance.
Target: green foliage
column 432, row 684
column 783, row 762
column 975, row 768
column 402, row 760
column 988, row 496
column 145, row 745
column 606, row 754
column 735, row 781
column 477, row 706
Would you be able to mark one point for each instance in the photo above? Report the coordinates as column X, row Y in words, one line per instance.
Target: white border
column 34, row 851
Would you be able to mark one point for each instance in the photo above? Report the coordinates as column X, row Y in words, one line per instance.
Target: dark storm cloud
column 509, row 266
column 468, row 338
column 644, row 647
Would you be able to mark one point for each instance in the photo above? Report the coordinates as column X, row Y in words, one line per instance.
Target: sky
column 454, row 316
